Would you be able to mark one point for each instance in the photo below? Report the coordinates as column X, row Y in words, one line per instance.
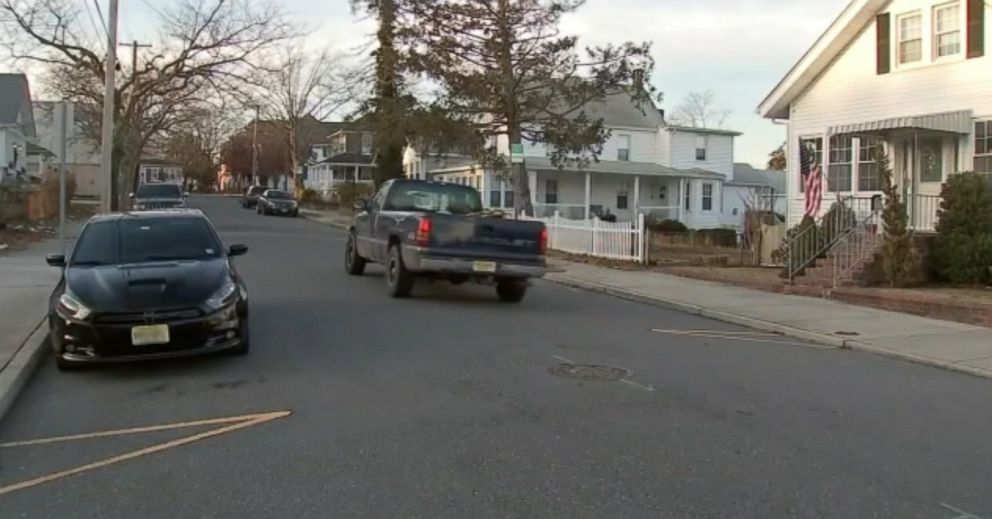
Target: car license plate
column 484, row 266
column 155, row 334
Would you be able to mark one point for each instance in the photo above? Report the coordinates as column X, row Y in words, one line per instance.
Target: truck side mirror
column 362, row 205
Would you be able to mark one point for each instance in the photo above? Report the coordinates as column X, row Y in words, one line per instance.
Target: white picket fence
column 623, row 241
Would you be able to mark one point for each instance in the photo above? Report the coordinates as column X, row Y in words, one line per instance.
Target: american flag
column 811, row 175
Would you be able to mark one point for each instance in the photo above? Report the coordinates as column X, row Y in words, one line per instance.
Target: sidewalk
column 946, row 344
column 26, row 281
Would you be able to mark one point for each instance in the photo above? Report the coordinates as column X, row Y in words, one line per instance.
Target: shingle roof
column 348, row 158
column 621, row 110
column 15, row 100
column 747, row 175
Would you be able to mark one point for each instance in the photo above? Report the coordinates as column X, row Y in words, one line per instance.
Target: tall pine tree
column 508, row 74
column 900, row 261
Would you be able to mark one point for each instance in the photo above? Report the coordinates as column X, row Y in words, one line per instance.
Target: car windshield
column 138, row 240
column 159, row 191
column 279, row 195
column 432, row 197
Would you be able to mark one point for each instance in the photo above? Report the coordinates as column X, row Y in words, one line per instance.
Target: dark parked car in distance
column 147, row 285
column 154, row 196
column 250, row 198
column 440, row 231
column 275, row 201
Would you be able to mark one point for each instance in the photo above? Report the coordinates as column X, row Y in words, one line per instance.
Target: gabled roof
column 619, row 110
column 15, row 103
column 747, row 175
column 649, row 169
column 852, row 20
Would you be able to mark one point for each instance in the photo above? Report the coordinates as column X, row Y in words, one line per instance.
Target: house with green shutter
column 908, row 78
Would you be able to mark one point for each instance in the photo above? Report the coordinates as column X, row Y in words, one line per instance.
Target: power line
column 102, row 21
column 89, row 13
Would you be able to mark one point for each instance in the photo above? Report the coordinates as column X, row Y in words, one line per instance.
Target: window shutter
column 976, row 28
column 883, row 42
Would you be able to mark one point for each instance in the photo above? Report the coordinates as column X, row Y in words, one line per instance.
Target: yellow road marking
column 237, row 422
column 720, row 335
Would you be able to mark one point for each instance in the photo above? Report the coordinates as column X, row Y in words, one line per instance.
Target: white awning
column 952, row 122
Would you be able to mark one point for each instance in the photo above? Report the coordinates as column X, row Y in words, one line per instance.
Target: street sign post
column 516, row 153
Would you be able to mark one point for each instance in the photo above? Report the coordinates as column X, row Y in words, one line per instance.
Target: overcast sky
column 739, row 49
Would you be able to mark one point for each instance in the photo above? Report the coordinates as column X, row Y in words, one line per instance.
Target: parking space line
column 236, row 423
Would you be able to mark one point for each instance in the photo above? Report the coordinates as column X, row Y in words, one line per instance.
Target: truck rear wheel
column 511, row 290
column 399, row 279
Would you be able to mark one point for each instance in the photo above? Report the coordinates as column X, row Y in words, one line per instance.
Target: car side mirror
column 238, row 249
column 362, row 205
column 55, row 260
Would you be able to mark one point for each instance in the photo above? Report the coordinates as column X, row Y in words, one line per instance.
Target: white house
column 20, row 156
column 759, row 189
column 912, row 78
column 646, row 166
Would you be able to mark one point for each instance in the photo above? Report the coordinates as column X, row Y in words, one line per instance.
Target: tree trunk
column 390, row 128
column 518, row 172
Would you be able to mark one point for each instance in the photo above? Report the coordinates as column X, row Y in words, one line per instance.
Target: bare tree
column 698, row 110
column 197, row 142
column 301, row 90
column 204, row 49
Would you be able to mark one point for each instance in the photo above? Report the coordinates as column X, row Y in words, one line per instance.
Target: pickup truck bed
column 428, row 229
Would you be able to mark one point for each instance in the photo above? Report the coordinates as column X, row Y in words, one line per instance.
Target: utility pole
column 254, row 148
column 63, row 125
column 107, row 137
column 134, row 75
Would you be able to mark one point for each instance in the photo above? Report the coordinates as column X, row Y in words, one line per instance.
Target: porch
column 923, row 151
column 325, row 177
column 625, row 191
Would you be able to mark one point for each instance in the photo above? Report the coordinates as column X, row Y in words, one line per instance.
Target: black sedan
column 158, row 196
column 147, row 285
column 274, row 201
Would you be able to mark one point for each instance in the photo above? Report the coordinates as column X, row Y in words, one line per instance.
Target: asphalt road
column 444, row 406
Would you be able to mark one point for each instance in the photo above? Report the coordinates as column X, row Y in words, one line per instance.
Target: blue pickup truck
column 422, row 229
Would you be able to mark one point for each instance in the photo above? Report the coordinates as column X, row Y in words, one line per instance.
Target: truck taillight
column 424, row 232
column 544, row 240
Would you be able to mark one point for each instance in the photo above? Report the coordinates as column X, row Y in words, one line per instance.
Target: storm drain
column 590, row 372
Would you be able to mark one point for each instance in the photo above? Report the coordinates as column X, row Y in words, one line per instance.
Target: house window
column 839, row 176
column 869, row 149
column 622, row 200
column 495, row 198
column 707, row 197
column 688, row 196
column 551, row 191
column 817, row 146
column 662, row 192
column 910, row 38
column 983, row 146
column 623, row 148
column 508, row 198
column 700, row 147
column 931, row 160
column 366, row 144
column 947, row 29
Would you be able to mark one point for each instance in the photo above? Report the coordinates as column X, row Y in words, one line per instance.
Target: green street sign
column 516, row 153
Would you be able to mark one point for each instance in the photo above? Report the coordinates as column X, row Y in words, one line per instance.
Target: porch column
column 637, row 195
column 532, row 186
column 588, row 194
column 680, row 200
column 357, row 177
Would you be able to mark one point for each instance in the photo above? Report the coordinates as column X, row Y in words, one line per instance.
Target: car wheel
column 399, row 279
column 511, row 291
column 353, row 263
column 258, row 209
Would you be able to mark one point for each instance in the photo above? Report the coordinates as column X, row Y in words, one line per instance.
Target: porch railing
column 803, row 248
column 569, row 211
column 659, row 213
column 856, row 246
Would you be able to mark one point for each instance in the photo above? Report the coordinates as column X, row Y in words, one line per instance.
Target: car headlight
column 139, row 207
column 227, row 295
column 72, row 307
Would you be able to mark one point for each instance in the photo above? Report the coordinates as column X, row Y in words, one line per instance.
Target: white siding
column 850, row 91
column 696, row 218
column 719, row 152
column 664, row 146
column 643, row 146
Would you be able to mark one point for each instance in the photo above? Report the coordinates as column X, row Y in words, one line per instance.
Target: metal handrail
column 808, row 245
column 856, row 245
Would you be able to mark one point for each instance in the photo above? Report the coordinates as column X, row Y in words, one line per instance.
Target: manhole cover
column 590, row 372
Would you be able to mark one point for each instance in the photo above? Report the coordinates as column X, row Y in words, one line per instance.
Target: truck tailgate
column 480, row 237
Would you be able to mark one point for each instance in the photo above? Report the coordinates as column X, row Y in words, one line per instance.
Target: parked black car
column 274, row 201
column 158, row 196
column 430, row 229
column 147, row 285
column 250, row 198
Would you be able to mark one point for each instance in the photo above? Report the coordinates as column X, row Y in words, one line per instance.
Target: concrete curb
column 759, row 324
column 315, row 217
column 15, row 375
